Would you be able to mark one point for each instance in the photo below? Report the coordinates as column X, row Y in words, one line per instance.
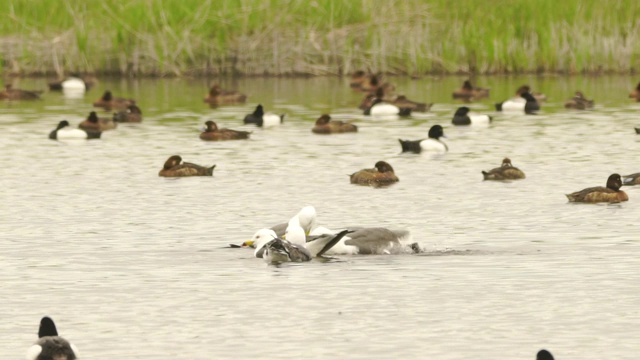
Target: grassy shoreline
column 319, row 37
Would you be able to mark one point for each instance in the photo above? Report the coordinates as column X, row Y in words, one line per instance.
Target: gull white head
column 259, row 239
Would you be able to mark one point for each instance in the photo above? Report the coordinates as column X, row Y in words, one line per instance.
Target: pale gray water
column 133, row 266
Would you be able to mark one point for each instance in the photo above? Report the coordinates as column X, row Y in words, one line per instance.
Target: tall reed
column 318, row 37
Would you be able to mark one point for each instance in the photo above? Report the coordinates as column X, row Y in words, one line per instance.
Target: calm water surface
column 134, row 266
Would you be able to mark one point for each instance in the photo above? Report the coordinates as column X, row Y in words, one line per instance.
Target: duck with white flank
column 259, row 118
column 51, row 346
column 524, row 103
column 463, row 116
column 380, row 108
column 431, row 144
column 65, row 132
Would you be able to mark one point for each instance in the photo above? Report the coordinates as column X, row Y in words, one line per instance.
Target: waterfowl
column 261, row 119
column 305, row 218
column 382, row 174
column 51, row 346
column 370, row 83
column 635, row 94
column 74, row 82
column 174, row 168
column 400, row 101
column 357, row 78
column 525, row 102
column 470, row 92
column 504, row 172
column 544, row 355
column 367, row 241
column 611, row 193
column 540, row 97
column 64, row 132
column 131, row 114
column 217, row 96
column 278, row 250
column 108, row 101
column 432, row 143
column 579, row 102
column 9, row 93
column 637, row 130
column 324, row 125
column 94, row 123
column 633, row 179
column 212, row 133
column 380, row 108
column 464, row 117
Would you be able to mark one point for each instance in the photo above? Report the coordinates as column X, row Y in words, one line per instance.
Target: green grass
column 319, row 37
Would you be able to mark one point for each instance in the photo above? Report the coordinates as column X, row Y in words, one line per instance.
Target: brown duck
column 611, row 193
column 324, row 125
column 212, row 133
column 108, row 101
column 131, row 114
column 504, row 172
column 381, row 175
column 174, row 167
column 9, row 93
column 218, row 96
column 94, row 123
column 635, row 94
column 579, row 102
column 470, row 92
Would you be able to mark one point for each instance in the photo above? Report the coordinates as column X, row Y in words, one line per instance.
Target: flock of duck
column 51, row 346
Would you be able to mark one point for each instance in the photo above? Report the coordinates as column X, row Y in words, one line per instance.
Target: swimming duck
column 544, row 355
column 263, row 120
column 370, row 83
column 51, row 346
column 94, row 123
column 174, row 168
column 611, row 193
column 324, row 125
column 400, row 101
column 9, row 93
column 504, row 172
column 74, row 82
column 212, row 133
column 635, row 94
column 108, row 101
column 469, row 92
column 131, row 114
column 464, row 117
column 579, row 102
column 633, row 179
column 540, row 97
column 637, row 130
column 65, row 132
column 432, row 143
column 382, row 174
column 525, row 102
column 380, row 108
column 218, row 96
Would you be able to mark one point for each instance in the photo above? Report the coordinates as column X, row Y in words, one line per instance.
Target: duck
column 633, row 179
column 380, row 108
column 540, row 97
column 174, row 168
column 108, row 101
column 50, row 345
column 464, row 117
column 637, row 130
column 9, row 93
column 525, row 102
column 579, row 102
column 324, row 125
column 94, row 123
column 635, row 94
column 64, row 132
column 74, row 82
column 400, row 101
column 505, row 172
column 357, row 78
column 212, row 133
column 261, row 119
column 131, row 114
column 381, row 175
column 369, row 83
column 544, row 355
column 432, row 143
column 610, row 194
column 470, row 92
column 218, row 96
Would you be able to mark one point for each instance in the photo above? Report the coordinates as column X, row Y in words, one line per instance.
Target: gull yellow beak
column 248, row 243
